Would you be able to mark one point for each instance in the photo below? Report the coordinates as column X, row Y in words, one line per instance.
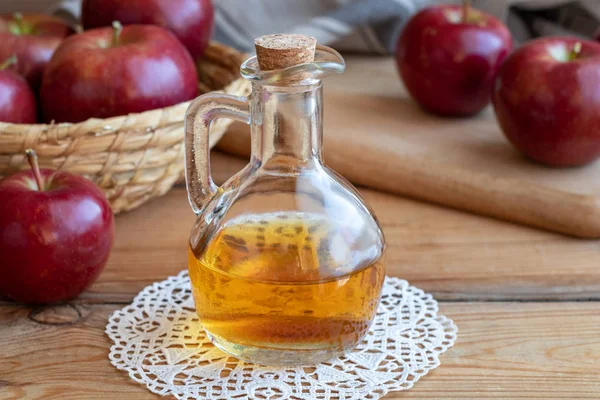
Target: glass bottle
column 286, row 260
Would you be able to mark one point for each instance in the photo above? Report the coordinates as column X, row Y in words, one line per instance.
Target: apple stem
column 12, row 60
column 117, row 29
column 18, row 17
column 33, row 163
column 575, row 51
column 466, row 8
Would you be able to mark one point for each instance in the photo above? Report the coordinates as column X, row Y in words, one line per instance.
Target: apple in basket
column 17, row 101
column 190, row 20
column 107, row 72
column 57, row 230
column 547, row 100
column 448, row 57
column 33, row 39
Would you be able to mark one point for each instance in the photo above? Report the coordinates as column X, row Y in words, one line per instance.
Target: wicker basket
column 131, row 158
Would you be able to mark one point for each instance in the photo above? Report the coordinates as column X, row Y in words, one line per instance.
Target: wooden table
column 527, row 304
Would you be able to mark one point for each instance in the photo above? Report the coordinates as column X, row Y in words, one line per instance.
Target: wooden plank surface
column 377, row 137
column 489, row 274
column 451, row 254
column 504, row 351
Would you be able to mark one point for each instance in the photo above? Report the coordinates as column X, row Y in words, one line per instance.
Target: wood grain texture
column 449, row 253
column 375, row 136
column 504, row 351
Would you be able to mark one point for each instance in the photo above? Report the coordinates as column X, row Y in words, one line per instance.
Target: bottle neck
column 287, row 125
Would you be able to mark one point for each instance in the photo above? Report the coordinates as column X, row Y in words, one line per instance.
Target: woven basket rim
column 110, row 120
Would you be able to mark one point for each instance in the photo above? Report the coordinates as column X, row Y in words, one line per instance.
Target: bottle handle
column 198, row 117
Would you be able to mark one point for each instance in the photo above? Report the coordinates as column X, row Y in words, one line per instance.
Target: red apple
column 547, row 100
column 33, row 39
column 17, row 101
column 107, row 72
column 448, row 57
column 57, row 230
column 190, row 20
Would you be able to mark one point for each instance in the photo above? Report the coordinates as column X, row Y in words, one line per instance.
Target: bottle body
column 289, row 270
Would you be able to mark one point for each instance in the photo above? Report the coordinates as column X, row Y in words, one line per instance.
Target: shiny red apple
column 107, row 72
column 33, row 39
column 448, row 57
column 17, row 101
column 57, row 230
column 547, row 100
column 191, row 20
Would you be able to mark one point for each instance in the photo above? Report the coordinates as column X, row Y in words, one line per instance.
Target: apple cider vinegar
column 276, row 282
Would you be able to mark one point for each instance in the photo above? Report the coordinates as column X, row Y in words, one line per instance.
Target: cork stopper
column 280, row 50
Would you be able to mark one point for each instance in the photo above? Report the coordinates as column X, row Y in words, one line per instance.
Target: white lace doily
column 159, row 342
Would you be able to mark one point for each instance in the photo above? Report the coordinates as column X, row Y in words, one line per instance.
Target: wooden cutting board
column 377, row 137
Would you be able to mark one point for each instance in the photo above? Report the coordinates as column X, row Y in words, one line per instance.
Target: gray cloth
column 374, row 25
column 361, row 25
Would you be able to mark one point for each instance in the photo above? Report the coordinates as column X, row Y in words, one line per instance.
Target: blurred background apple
column 33, row 39
column 547, row 100
column 17, row 101
column 107, row 72
column 190, row 20
column 448, row 57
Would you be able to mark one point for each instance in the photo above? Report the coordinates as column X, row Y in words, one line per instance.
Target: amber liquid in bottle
column 285, row 281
